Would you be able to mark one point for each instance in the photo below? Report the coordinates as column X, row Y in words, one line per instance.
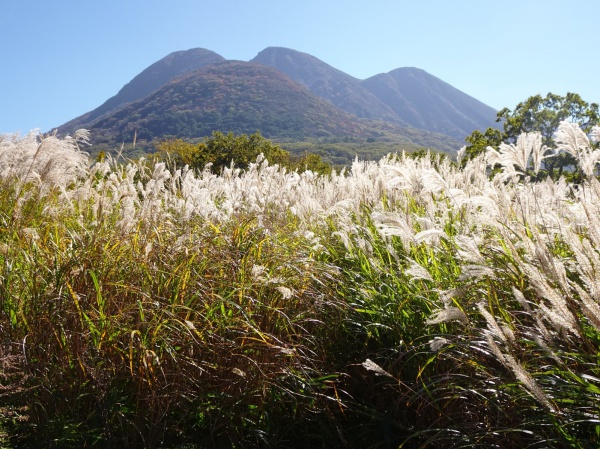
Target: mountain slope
column 405, row 96
column 242, row 97
column 426, row 102
column 150, row 79
column 285, row 94
column 325, row 81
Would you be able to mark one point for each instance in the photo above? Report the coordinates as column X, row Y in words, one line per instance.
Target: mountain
column 150, row 79
column 426, row 102
column 325, row 81
column 405, row 96
column 284, row 94
column 242, row 97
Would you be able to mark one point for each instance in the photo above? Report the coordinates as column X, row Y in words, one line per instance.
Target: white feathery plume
column 447, row 314
column 476, row 272
column 570, row 138
column 492, row 156
column 493, row 325
column 430, row 236
column 438, row 343
column 417, row 271
column 461, row 154
column 558, row 314
column 45, row 160
column 521, row 299
column 370, row 365
column 589, row 307
column 433, row 181
column 286, row 292
column 595, row 134
column 467, row 249
column 513, row 157
column 588, row 161
column 529, row 382
column 406, row 176
column 391, row 224
column 520, row 373
column 508, row 332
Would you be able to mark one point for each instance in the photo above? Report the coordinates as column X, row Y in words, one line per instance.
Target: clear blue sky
column 62, row 58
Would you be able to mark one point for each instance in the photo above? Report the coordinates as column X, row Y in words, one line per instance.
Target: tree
column 177, row 150
column 310, row 161
column 541, row 114
column 220, row 150
column 479, row 141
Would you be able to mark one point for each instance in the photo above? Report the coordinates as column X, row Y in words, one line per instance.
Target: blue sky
column 62, row 58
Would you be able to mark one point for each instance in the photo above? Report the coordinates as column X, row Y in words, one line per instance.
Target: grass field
column 407, row 302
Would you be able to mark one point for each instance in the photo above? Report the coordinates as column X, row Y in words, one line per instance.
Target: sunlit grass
column 405, row 303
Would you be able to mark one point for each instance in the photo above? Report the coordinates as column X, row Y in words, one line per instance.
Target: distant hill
column 405, row 96
column 242, row 97
column 288, row 96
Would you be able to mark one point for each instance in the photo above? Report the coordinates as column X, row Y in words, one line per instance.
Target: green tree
column 177, row 150
column 221, row 150
column 478, row 142
column 312, row 162
column 541, row 114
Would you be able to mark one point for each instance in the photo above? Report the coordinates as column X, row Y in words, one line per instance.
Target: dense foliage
column 240, row 97
column 543, row 115
column 223, row 150
column 409, row 302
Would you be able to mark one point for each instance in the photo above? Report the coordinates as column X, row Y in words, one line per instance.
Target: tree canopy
column 220, row 150
column 541, row 114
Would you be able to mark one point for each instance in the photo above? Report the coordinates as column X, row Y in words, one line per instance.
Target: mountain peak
column 339, row 88
column 301, row 67
column 283, row 93
column 152, row 78
column 423, row 101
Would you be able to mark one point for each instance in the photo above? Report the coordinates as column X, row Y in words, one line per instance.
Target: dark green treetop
column 541, row 114
column 220, row 150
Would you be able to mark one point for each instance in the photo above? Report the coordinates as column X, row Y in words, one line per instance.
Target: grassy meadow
column 403, row 303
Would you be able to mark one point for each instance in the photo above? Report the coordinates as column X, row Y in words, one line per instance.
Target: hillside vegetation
column 406, row 96
column 408, row 302
column 287, row 96
column 244, row 98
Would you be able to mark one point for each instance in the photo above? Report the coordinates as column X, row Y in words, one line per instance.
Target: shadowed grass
column 158, row 335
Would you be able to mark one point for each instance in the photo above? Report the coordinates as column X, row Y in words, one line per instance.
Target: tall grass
column 404, row 303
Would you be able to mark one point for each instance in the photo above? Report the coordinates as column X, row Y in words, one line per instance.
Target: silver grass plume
column 517, row 157
column 521, row 374
column 44, row 160
column 447, row 314
column 570, row 138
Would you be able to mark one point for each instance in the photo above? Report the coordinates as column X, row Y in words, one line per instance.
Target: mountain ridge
column 325, row 81
column 189, row 94
column 400, row 101
column 241, row 97
column 151, row 78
